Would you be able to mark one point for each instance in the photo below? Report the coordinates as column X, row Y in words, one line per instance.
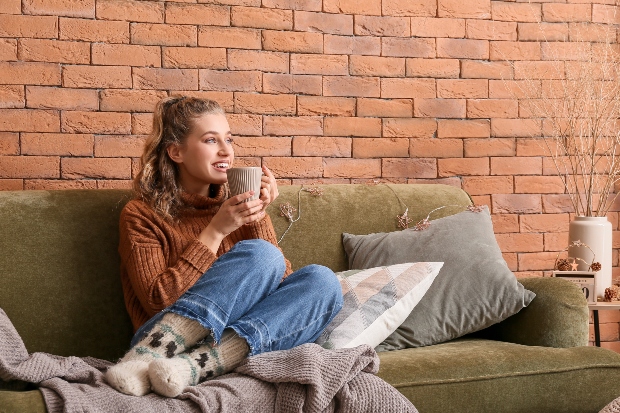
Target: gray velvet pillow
column 473, row 290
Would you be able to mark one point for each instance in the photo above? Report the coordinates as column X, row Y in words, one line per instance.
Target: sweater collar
column 198, row 201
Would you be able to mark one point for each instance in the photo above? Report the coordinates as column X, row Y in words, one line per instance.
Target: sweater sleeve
column 264, row 229
column 143, row 253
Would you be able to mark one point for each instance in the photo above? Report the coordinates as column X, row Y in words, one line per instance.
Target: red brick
column 11, row 7
column 229, row 37
column 539, row 70
column 310, row 5
column 409, row 128
column 225, row 99
column 441, row 68
column 262, row 18
column 557, row 203
column 606, row 14
column 566, row 51
column 265, row 104
column 114, row 184
column 352, row 45
column 512, row 261
column 516, row 166
column 287, row 126
column 562, row 13
column 369, row 7
column 29, row 167
column 518, row 128
column 322, row 146
column 538, row 185
column 200, row 14
column 609, row 332
column 462, row 88
column 463, row 166
column 408, row 8
column 319, row 64
column 244, row 81
column 29, row 120
column 126, row 55
column 437, row 27
column 128, row 100
column 488, row 185
column 39, row 97
column 439, row 108
column 489, row 147
column 471, row 69
column 89, row 30
column 141, row 123
column 463, row 48
column 376, row 66
column 72, row 8
column 520, row 242
column 248, row 3
column 263, row 146
column 515, row 51
column 12, row 96
column 163, row 34
column 61, row 144
column 258, row 60
column 245, row 124
column 503, row 223
column 516, row 204
column 8, row 49
column 11, row 184
column 555, row 241
column 58, row 184
column 490, row 30
column 385, row 108
column 24, row 73
column 9, row 143
column 531, row 147
column 515, row 12
column 325, row 106
column 407, row 47
column 97, row 77
column 586, row 32
column 96, row 122
column 382, row 26
column 453, row 128
column 436, row 148
column 380, row 147
column 407, row 88
column 453, row 181
column 482, row 200
column 134, row 11
column 119, row 146
column 492, row 108
column 472, row 9
column 514, row 89
column 348, row 126
column 544, row 223
column 351, row 86
column 28, row 26
column 543, row 32
column 302, row 167
column 195, row 57
column 285, row 83
column 286, row 41
column 324, row 23
column 147, row 78
column 409, row 167
column 111, row 168
column 316, row 181
column 351, row 168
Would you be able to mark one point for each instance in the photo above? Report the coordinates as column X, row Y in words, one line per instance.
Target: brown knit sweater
column 161, row 260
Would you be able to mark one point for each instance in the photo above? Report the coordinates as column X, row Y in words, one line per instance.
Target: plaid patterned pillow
column 376, row 302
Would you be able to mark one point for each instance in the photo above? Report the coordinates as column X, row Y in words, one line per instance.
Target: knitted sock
column 169, row 377
column 171, row 336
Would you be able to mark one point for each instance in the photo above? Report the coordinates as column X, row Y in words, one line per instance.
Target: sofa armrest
column 557, row 317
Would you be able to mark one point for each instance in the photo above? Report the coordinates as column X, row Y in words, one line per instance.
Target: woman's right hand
column 233, row 213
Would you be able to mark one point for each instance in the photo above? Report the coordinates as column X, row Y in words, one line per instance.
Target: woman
column 204, row 282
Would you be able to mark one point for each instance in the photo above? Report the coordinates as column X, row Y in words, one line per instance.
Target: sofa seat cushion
column 22, row 402
column 478, row 375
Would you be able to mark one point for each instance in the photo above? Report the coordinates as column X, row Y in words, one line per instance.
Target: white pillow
column 376, row 302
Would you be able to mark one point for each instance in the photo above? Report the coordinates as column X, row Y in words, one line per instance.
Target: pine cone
column 611, row 293
column 595, row 266
column 563, row 265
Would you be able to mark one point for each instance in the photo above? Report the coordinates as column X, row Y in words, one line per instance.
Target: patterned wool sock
column 171, row 336
column 169, row 377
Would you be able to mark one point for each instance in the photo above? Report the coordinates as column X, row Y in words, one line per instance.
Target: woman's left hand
column 268, row 188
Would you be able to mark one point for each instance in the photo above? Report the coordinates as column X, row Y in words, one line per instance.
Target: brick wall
column 408, row 91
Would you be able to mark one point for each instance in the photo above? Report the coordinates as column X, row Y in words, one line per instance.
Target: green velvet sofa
column 59, row 284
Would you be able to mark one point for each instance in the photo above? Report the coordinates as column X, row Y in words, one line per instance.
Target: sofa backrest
column 59, row 264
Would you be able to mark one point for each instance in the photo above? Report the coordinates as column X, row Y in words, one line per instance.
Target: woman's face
column 205, row 155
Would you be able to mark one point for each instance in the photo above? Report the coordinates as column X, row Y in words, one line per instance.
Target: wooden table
column 601, row 305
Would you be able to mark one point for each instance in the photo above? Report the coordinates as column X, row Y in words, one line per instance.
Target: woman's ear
column 174, row 152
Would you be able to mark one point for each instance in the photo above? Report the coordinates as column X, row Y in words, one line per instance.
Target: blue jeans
column 243, row 290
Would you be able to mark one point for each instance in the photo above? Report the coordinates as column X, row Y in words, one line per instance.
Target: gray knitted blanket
column 307, row 378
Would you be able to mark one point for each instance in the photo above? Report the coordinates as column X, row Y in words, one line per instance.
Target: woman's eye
column 230, row 141
column 210, row 140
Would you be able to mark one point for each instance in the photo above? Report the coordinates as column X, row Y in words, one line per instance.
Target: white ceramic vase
column 596, row 233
